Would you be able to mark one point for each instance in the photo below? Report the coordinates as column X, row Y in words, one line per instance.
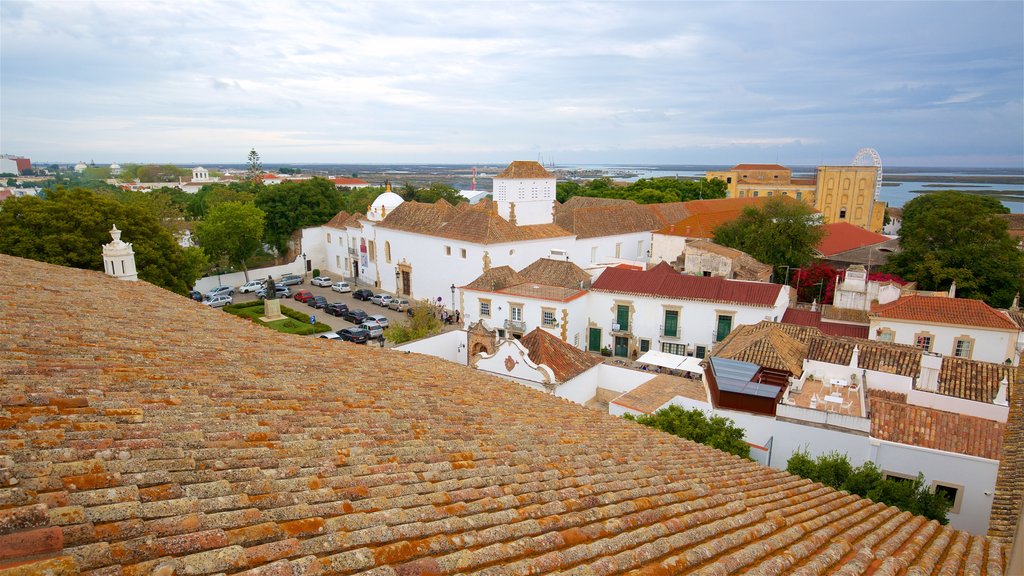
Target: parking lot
column 334, row 322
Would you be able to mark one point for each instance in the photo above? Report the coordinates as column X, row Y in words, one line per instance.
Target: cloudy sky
column 925, row 83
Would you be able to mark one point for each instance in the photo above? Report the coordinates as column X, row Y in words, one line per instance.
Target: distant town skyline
column 794, row 83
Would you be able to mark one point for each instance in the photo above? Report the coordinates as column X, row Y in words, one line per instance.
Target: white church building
column 425, row 251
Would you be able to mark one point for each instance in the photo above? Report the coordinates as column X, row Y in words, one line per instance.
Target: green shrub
column 421, row 324
column 834, row 469
column 717, row 432
column 316, row 272
column 243, row 305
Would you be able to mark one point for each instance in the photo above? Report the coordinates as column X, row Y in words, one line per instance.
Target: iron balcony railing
column 517, row 325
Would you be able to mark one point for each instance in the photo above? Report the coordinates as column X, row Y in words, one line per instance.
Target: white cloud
column 453, row 81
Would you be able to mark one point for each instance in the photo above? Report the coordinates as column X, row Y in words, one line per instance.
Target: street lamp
column 398, row 276
column 303, row 264
column 453, row 298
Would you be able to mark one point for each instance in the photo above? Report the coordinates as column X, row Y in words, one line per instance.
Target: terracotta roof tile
column 525, row 169
column 564, row 359
column 477, row 225
column 703, row 216
column 766, row 346
column 588, row 219
column 656, row 392
column 551, row 272
column 843, row 237
column 339, row 220
column 942, row 310
column 814, row 319
column 287, row 460
column 663, row 281
column 1009, row 494
column 896, row 421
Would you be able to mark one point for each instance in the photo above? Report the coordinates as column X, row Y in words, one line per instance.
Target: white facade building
column 948, row 326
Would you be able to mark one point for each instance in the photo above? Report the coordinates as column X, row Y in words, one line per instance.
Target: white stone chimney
column 952, row 290
column 931, row 364
column 855, row 357
column 1000, row 398
column 119, row 258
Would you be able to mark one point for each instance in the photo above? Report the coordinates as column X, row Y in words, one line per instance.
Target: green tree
column 421, row 324
column 290, row 206
column 212, row 194
column 232, row 231
column 779, row 233
column 68, row 227
column 834, row 469
column 436, row 191
column 951, row 237
column 254, row 170
column 716, row 431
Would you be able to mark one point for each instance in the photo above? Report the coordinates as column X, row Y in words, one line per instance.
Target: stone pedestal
column 271, row 310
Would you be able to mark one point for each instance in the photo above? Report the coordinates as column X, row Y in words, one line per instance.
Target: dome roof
column 115, row 165
column 383, row 205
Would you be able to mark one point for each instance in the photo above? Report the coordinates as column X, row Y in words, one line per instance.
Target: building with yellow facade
column 840, row 193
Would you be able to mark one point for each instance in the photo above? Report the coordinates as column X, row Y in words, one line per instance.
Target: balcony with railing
column 670, row 332
column 352, row 252
column 515, row 325
column 622, row 329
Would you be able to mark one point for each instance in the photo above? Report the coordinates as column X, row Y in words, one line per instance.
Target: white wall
column 532, row 313
column 445, row 346
column 236, row 279
column 634, row 246
column 989, row 345
column 698, row 320
column 666, row 247
column 522, row 368
column 977, row 475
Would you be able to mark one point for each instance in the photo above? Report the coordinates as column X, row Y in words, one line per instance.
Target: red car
column 303, row 295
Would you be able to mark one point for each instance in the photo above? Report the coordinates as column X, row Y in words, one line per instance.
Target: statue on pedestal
column 271, row 289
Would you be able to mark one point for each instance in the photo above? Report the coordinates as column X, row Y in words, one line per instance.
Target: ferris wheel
column 870, row 157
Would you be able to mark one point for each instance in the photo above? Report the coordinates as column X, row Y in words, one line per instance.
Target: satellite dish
column 869, row 157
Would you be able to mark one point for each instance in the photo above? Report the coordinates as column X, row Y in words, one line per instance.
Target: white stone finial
column 1000, row 398
column 115, row 234
column 119, row 257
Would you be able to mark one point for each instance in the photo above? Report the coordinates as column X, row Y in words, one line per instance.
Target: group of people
column 450, row 318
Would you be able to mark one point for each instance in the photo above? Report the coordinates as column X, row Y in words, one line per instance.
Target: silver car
column 322, row 281
column 375, row 330
column 218, row 301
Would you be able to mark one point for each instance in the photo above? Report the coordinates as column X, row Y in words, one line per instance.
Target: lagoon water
column 893, row 193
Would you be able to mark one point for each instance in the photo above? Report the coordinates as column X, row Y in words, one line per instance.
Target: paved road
column 334, row 322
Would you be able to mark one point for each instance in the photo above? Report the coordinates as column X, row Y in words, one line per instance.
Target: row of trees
column 834, row 469
column 645, row 190
column 945, row 237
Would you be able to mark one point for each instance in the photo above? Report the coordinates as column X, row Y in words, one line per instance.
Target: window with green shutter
column 671, row 323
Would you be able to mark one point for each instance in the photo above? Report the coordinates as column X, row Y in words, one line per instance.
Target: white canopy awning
column 672, row 361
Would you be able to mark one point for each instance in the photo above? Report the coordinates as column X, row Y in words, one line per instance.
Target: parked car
column 354, row 334
column 195, row 295
column 302, row 295
column 317, row 302
column 251, row 286
column 330, row 336
column 362, row 294
column 281, row 291
column 218, row 301
column 336, row 308
column 354, row 315
column 399, row 304
column 341, row 287
column 375, row 330
column 289, row 280
column 220, row 291
column 381, row 299
column 378, row 319
column 323, row 281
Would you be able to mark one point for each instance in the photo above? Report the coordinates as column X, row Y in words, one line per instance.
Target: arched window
column 387, row 251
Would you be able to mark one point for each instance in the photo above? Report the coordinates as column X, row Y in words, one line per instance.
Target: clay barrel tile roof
column 942, row 310
column 663, row 281
column 843, row 237
column 164, row 436
column 897, row 421
column 551, row 272
column 656, row 392
column 524, row 169
column 468, row 224
column 564, row 359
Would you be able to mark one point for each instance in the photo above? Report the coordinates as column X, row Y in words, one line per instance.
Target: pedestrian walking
column 380, row 339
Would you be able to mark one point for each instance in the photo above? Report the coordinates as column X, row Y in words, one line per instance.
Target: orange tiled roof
column 564, row 359
column 653, row 394
column 155, row 438
column 588, row 219
column 942, row 310
column 339, row 220
column 525, row 169
column 764, row 345
column 843, row 237
column 552, row 272
column 1009, row 496
column 545, row 279
column 706, row 215
column 471, row 224
column 758, row 167
column 896, row 421
column 808, row 318
column 344, row 181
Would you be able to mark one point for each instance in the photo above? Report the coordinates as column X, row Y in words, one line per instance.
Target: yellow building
column 840, row 193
